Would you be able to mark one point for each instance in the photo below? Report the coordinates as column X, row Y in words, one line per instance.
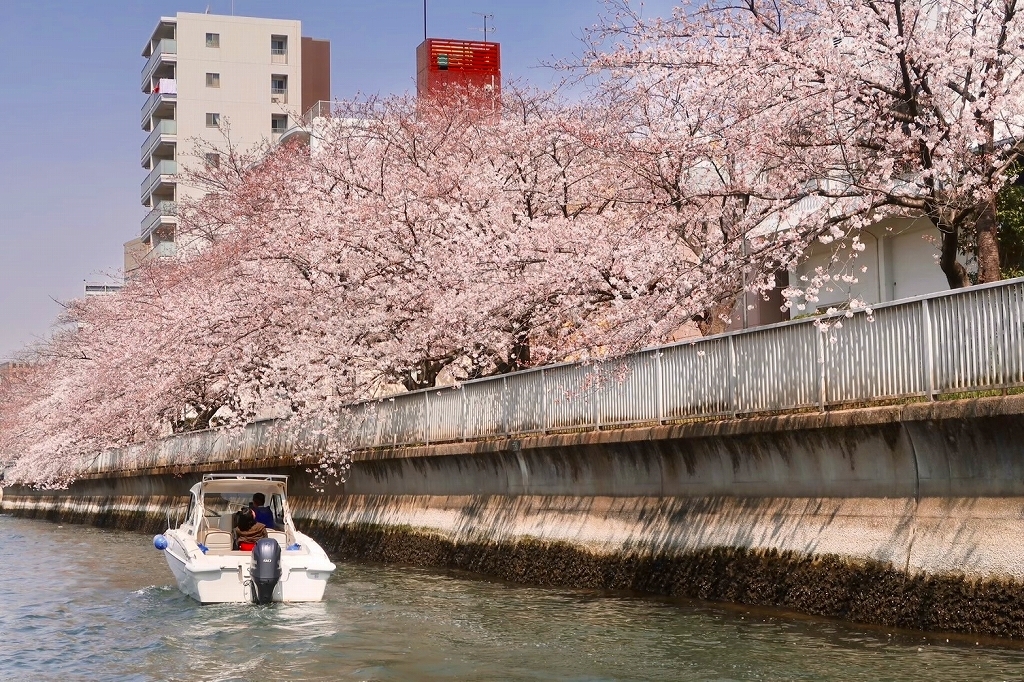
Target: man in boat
column 264, row 514
column 248, row 531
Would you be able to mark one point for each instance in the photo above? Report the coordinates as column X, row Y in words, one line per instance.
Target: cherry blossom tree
column 824, row 115
column 414, row 241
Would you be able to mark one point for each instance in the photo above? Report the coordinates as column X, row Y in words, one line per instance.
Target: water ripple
column 89, row 604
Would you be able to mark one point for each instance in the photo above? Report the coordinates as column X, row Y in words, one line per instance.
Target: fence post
column 426, row 417
column 660, row 385
column 368, row 437
column 465, row 413
column 822, row 379
column 504, row 406
column 596, row 402
column 733, row 398
column 543, row 401
column 929, row 356
column 394, row 421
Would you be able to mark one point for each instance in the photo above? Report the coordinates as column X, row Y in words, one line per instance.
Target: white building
column 206, row 74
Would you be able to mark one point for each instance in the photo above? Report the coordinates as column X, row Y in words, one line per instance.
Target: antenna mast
column 486, row 17
column 424, row 20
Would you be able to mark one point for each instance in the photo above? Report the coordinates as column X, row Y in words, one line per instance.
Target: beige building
column 207, row 76
column 899, row 260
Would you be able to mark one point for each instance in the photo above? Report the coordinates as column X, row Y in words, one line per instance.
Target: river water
column 81, row 603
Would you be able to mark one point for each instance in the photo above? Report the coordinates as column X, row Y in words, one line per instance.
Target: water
column 80, row 603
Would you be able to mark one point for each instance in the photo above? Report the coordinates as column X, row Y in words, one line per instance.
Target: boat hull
column 224, row 578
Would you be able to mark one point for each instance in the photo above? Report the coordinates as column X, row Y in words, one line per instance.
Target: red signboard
column 457, row 65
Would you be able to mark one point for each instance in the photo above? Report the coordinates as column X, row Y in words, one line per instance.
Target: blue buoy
column 160, row 542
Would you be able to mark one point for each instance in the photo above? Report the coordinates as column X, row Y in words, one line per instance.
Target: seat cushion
column 218, row 539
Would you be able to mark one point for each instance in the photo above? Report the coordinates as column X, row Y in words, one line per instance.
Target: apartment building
column 208, row 74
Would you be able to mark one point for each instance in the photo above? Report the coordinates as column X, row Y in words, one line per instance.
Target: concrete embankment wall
column 909, row 516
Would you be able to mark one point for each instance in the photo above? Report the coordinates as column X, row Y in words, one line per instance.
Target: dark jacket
column 255, row 533
column 265, row 516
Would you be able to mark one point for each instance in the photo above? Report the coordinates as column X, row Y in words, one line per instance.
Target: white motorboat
column 203, row 554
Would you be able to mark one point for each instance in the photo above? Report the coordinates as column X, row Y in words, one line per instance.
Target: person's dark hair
column 245, row 521
column 260, row 499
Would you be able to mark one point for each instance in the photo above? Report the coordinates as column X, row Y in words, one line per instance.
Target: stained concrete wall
column 906, row 515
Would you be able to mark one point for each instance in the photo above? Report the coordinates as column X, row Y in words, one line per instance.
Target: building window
column 213, row 160
column 278, row 45
column 278, row 88
column 213, row 120
column 213, row 80
column 278, row 123
column 213, row 40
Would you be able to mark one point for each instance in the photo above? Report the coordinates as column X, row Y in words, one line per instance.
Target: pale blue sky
column 69, row 114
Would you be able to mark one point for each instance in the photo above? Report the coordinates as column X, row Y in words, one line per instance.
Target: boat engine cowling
column 265, row 571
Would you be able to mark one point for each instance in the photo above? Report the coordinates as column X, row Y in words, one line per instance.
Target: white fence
column 961, row 341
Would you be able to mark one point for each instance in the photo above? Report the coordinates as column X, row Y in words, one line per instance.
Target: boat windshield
column 215, row 504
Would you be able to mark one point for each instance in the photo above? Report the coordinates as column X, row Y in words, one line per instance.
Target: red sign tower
column 458, row 66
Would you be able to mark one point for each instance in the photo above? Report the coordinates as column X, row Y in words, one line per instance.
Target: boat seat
column 218, row 540
column 278, row 535
column 225, row 521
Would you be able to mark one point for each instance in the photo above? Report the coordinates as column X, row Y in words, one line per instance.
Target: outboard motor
column 265, row 571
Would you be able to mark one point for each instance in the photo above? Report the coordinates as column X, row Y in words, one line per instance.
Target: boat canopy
column 243, row 484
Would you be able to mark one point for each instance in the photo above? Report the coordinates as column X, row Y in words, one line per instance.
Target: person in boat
column 264, row 514
column 248, row 531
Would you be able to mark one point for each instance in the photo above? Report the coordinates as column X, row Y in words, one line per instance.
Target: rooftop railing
column 322, row 109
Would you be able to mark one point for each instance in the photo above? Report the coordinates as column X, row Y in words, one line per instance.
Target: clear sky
column 70, row 100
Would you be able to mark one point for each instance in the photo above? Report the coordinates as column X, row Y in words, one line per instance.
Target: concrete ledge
column 941, row 564
column 831, row 586
column 991, row 406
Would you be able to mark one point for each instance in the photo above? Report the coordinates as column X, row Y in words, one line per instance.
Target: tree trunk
column 988, row 243
column 517, row 356
column 711, row 321
column 955, row 272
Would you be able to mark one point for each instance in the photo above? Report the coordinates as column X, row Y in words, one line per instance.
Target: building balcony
column 165, row 132
column 163, row 250
column 163, row 173
column 165, row 52
column 160, row 104
column 164, row 214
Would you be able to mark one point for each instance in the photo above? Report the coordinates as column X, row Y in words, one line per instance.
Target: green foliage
column 1010, row 207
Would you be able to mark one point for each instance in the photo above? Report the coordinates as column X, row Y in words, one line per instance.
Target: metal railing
column 163, row 168
column 152, row 219
column 166, row 126
column 167, row 46
column 153, row 102
column 321, row 109
column 954, row 342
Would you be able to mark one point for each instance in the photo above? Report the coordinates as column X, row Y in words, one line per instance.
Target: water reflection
column 84, row 603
